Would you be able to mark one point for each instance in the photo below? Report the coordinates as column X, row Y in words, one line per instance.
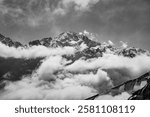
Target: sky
column 115, row 20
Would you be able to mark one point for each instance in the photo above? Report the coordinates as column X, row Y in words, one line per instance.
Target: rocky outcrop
column 9, row 42
column 132, row 52
column 14, row 68
column 45, row 42
column 143, row 93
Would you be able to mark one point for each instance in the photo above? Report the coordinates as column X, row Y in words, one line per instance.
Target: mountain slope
column 7, row 41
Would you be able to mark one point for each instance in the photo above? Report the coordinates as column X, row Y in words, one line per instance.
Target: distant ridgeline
column 139, row 88
column 91, row 48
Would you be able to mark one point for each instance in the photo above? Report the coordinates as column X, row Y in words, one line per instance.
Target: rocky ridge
column 7, row 41
column 85, row 46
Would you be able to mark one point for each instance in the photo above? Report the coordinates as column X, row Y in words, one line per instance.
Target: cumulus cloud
column 99, row 81
column 49, row 67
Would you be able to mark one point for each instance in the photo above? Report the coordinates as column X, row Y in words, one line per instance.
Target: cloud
column 100, row 81
column 54, row 79
column 33, row 52
column 22, row 90
column 49, row 67
column 33, row 88
column 123, row 96
column 32, row 13
column 80, row 80
column 70, row 93
column 124, row 44
column 35, row 13
column 59, row 11
column 80, row 5
column 65, row 6
column 110, row 43
column 27, row 89
column 118, row 68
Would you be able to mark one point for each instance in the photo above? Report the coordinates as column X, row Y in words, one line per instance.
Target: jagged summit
column 70, row 39
column 67, row 36
column 9, row 42
column 45, row 42
column 1, row 37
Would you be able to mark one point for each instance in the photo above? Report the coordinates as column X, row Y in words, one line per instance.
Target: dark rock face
column 12, row 69
column 7, row 41
column 16, row 68
column 34, row 43
column 45, row 42
column 132, row 52
column 1, row 37
column 143, row 93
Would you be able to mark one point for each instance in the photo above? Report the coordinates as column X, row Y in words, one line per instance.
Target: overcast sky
column 115, row 20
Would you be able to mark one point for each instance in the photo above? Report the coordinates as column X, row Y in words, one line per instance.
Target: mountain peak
column 67, row 36
column 45, row 42
column 9, row 42
column 1, row 37
column 74, row 39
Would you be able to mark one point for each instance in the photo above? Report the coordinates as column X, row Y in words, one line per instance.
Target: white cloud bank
column 34, row 51
column 132, row 66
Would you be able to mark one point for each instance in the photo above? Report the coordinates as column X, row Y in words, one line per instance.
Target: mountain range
column 77, row 40
column 13, row 69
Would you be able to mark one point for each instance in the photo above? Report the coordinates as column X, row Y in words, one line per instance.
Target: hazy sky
column 115, row 20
